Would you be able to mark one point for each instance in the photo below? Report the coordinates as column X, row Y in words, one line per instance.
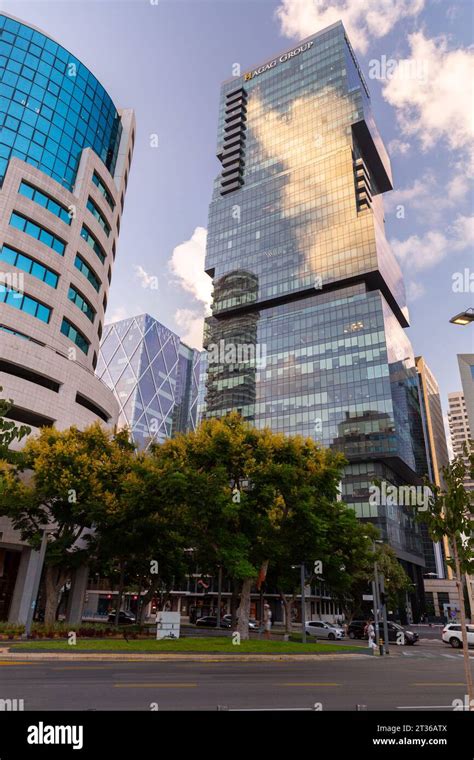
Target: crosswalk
column 419, row 654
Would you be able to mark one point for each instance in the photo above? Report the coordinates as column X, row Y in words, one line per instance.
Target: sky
column 166, row 59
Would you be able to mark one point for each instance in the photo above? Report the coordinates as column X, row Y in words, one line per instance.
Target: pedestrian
column 267, row 620
column 370, row 631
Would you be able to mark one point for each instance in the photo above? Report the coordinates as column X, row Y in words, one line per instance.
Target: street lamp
column 464, row 318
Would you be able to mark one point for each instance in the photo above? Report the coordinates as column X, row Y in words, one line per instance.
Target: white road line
column 425, row 707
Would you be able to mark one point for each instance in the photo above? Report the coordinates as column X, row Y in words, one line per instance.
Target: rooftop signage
column 282, row 59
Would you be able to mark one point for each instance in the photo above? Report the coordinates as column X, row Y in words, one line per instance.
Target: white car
column 452, row 635
column 322, row 630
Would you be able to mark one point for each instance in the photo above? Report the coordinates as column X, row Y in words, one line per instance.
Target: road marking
column 83, row 667
column 308, row 684
column 425, row 707
column 16, row 662
column 155, row 685
column 439, row 683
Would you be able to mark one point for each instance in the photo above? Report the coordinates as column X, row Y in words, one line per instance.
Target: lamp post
column 219, row 597
column 463, row 319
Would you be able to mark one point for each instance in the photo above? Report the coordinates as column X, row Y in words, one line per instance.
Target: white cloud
column 191, row 325
column 187, row 263
column 117, row 314
column 415, row 290
column 398, row 146
column 362, row 19
column 428, row 199
column 417, row 253
column 438, row 105
column 146, row 280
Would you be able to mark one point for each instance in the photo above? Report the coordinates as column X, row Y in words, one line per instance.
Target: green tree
column 9, row 431
column 449, row 513
column 64, row 482
column 252, row 495
column 141, row 535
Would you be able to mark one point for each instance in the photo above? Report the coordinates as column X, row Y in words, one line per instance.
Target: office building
column 154, row 377
column 436, row 454
column 307, row 333
column 460, row 430
column 65, row 154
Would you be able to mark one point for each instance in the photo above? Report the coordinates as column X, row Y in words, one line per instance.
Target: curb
column 185, row 656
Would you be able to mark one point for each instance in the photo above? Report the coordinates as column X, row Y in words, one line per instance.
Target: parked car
column 210, row 621
column 356, row 629
column 125, row 618
column 400, row 635
column 452, row 634
column 322, row 630
column 252, row 623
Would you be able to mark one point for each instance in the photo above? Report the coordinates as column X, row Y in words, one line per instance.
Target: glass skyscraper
column 307, row 328
column 154, row 376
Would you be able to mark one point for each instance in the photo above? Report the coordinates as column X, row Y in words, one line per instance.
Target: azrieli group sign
column 282, row 59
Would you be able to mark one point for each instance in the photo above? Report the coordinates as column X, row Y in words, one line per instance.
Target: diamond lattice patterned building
column 154, row 376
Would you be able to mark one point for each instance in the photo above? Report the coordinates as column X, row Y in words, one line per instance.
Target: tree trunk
column 243, row 613
column 147, row 597
column 233, row 606
column 120, row 592
column 288, row 605
column 55, row 578
column 467, row 664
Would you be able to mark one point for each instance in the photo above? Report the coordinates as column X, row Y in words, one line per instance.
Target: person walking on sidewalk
column 370, row 631
column 267, row 620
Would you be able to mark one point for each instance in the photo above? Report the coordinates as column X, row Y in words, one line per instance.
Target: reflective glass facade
column 307, row 328
column 51, row 106
column 154, row 376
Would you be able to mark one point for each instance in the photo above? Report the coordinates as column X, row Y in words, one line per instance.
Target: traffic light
column 383, row 597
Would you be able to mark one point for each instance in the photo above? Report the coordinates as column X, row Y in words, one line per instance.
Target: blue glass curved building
column 51, row 106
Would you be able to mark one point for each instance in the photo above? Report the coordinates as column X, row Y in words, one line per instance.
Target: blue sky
column 166, row 59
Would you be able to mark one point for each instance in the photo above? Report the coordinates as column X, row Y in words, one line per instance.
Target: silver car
column 322, row 630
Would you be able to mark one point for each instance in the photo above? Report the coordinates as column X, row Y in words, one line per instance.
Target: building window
column 102, row 189
column 20, row 335
column 81, row 303
column 29, row 265
column 87, row 272
column 93, row 243
column 45, row 201
column 36, row 231
column 97, row 213
column 88, row 404
column 25, row 303
column 75, row 335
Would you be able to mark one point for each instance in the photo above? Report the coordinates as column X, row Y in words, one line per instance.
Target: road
column 428, row 676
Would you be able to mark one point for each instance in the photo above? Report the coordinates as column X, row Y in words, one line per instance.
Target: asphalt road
column 421, row 677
